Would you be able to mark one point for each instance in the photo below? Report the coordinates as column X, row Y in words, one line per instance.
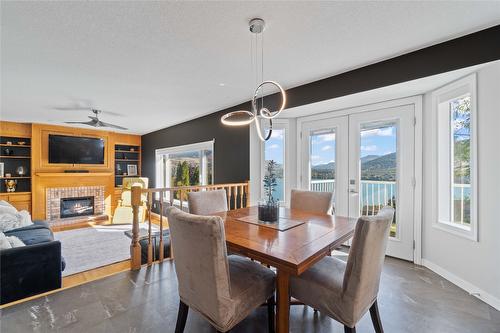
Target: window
column 274, row 152
column 456, row 157
column 187, row 165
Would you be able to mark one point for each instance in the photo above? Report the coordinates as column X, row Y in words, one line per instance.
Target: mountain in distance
column 373, row 167
column 322, row 167
column 383, row 162
column 368, row 158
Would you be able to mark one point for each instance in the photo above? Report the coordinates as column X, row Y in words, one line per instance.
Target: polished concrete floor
column 411, row 299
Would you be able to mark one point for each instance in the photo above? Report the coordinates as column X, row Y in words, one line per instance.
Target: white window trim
column 450, row 91
column 206, row 145
column 281, row 124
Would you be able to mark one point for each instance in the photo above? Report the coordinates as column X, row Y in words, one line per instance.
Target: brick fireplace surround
column 54, row 196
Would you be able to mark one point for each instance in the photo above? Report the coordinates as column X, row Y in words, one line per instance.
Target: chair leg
column 181, row 317
column 348, row 329
column 270, row 313
column 374, row 313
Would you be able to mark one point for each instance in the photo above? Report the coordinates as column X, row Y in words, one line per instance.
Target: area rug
column 93, row 247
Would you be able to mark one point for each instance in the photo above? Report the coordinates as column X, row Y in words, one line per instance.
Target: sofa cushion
column 11, row 219
column 33, row 234
column 4, row 242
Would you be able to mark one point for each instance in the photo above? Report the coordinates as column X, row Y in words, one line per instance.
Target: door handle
column 353, row 191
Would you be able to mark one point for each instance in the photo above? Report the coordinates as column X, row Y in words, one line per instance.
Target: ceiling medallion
column 244, row 117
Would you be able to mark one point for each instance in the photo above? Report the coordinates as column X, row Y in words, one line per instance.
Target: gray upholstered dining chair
column 207, row 202
column 311, row 201
column 345, row 291
column 223, row 289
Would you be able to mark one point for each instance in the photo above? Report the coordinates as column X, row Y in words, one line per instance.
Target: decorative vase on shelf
column 21, row 171
column 119, row 170
column 7, row 152
column 269, row 208
column 10, row 184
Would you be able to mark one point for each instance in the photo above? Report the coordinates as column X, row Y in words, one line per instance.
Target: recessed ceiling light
column 222, row 84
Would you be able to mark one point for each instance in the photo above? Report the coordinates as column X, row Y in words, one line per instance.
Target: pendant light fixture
column 259, row 111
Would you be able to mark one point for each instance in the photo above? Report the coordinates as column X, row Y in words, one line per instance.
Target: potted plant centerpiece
column 269, row 207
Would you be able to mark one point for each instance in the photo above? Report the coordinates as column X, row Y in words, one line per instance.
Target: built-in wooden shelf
column 127, row 151
column 15, row 177
column 15, row 156
column 125, row 160
column 14, row 193
column 13, row 145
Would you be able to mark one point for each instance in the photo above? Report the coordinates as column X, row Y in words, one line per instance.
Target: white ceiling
column 161, row 63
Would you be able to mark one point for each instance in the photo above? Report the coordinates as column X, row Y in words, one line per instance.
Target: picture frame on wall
column 2, row 169
column 132, row 169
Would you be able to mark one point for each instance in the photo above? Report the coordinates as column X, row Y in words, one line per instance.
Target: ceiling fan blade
column 111, row 113
column 112, row 126
column 72, row 108
column 95, row 119
column 89, row 123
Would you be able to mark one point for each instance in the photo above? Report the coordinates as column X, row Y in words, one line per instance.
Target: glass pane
column 207, row 163
column 378, row 160
column 274, row 151
column 460, row 122
column 322, row 160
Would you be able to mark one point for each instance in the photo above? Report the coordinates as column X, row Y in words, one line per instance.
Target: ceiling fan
column 95, row 122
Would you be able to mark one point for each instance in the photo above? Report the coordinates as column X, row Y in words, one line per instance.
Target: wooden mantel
column 74, row 174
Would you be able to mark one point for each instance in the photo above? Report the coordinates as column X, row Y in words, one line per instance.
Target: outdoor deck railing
column 237, row 197
column 461, row 200
column 376, row 194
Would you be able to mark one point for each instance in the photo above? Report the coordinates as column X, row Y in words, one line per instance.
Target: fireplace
column 55, row 205
column 77, row 206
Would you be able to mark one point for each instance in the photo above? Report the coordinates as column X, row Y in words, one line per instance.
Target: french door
column 367, row 160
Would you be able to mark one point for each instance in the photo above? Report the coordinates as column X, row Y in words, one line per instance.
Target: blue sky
column 379, row 141
column 274, row 147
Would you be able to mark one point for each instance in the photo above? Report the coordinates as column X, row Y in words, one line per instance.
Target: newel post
column 135, row 247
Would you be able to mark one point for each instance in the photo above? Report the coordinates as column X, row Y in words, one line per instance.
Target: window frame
column 199, row 146
column 279, row 124
column 454, row 90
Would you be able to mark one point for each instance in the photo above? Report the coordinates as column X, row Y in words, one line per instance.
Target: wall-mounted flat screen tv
column 75, row 150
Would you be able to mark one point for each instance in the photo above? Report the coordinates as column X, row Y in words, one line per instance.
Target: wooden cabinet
column 22, row 201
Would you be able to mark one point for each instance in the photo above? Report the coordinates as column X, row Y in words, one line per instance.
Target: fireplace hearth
column 77, row 206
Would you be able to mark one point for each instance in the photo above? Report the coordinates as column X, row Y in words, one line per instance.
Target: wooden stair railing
column 238, row 195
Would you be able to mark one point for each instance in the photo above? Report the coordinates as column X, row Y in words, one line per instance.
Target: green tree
column 182, row 174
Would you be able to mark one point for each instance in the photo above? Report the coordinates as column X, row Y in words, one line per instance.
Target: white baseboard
column 467, row 286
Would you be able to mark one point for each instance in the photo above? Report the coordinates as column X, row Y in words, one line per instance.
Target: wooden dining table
column 291, row 251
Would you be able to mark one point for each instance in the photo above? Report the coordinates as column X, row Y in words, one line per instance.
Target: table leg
column 283, row 302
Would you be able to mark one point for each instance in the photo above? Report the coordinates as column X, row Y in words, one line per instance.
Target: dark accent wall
column 232, row 144
column 231, row 148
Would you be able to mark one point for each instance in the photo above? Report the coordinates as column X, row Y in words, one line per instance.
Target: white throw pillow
column 4, row 242
column 11, row 219
column 15, row 242
column 6, row 203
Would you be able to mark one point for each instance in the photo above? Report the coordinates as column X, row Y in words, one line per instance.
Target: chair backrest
column 310, row 201
column 365, row 261
column 207, row 202
column 127, row 184
column 201, row 264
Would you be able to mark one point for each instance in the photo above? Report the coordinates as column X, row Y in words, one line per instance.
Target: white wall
column 474, row 266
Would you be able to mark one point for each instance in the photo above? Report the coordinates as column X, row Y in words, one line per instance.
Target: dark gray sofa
column 31, row 269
